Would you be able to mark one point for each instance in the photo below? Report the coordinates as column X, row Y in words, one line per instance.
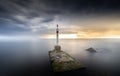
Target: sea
column 30, row 57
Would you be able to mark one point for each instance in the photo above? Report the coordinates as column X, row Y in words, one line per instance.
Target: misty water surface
column 17, row 54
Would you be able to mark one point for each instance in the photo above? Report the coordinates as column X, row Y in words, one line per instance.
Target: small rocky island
column 61, row 61
column 91, row 49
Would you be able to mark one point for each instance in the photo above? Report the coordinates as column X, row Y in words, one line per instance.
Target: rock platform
column 62, row 61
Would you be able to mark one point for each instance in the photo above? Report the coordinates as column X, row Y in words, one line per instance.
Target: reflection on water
column 34, row 54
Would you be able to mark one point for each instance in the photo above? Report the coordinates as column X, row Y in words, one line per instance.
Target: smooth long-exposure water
column 31, row 57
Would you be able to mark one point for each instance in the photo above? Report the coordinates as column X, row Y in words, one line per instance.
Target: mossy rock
column 62, row 61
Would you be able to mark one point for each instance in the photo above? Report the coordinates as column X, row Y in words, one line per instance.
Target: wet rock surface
column 61, row 61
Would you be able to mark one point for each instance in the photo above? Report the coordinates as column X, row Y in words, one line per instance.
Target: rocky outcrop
column 61, row 61
column 91, row 50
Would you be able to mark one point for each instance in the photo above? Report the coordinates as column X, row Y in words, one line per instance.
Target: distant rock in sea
column 91, row 49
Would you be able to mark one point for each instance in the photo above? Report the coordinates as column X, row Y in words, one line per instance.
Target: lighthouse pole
column 57, row 35
column 57, row 46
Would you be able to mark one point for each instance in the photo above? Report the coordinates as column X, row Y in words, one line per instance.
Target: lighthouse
column 57, row 46
column 60, row 60
column 57, row 35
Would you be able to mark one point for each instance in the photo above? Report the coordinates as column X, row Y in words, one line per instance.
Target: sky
column 76, row 18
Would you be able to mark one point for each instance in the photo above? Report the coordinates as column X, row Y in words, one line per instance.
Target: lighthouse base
column 57, row 48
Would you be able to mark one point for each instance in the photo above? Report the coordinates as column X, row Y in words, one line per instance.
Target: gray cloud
column 39, row 16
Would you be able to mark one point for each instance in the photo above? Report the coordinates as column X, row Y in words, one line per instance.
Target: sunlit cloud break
column 76, row 18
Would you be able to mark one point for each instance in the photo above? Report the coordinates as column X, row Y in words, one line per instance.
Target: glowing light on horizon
column 111, row 37
column 75, row 36
column 62, row 36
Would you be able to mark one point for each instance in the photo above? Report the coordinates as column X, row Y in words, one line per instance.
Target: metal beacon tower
column 57, row 46
column 57, row 35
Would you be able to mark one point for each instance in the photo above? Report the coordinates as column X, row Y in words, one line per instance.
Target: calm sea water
column 31, row 57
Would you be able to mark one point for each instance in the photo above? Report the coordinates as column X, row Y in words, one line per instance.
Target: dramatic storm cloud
column 39, row 17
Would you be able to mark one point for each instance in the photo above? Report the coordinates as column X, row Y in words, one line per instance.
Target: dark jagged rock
column 91, row 50
column 61, row 61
